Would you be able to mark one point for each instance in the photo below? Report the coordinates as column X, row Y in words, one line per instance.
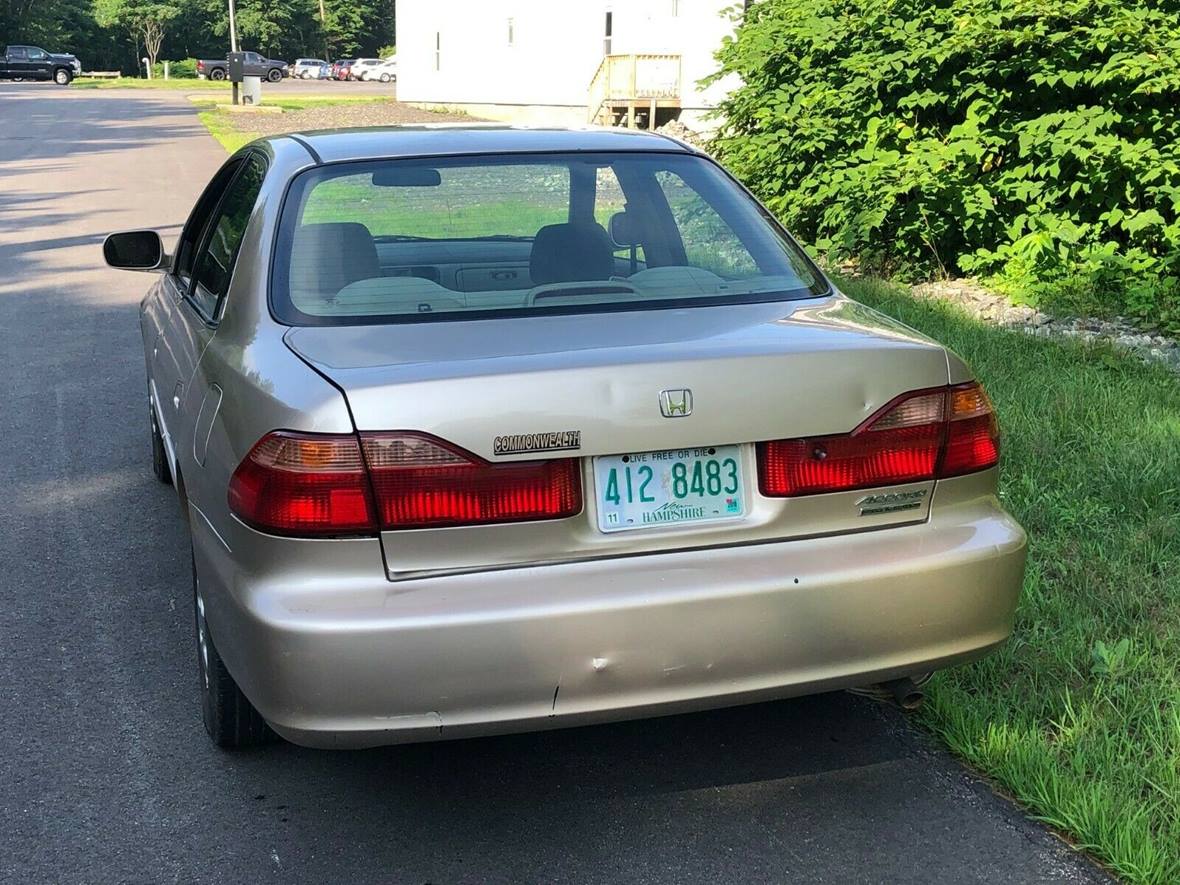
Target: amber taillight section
column 315, row 485
column 922, row 435
column 973, row 434
column 304, row 484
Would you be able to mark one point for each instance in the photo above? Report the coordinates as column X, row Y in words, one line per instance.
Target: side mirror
column 135, row 250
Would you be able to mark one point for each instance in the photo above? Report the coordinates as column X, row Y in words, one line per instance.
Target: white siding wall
column 556, row 48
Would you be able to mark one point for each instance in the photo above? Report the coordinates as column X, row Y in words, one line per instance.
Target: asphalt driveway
column 105, row 772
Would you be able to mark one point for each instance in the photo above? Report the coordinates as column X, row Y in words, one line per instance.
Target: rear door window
column 215, row 261
column 198, row 221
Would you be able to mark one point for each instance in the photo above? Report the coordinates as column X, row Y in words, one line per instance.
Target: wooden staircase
column 632, row 89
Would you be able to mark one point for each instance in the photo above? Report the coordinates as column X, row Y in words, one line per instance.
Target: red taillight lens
column 921, row 436
column 973, row 435
column 318, row 485
column 304, row 484
column 420, row 481
column 901, row 445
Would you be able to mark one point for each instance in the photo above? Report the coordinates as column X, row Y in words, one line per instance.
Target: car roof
column 444, row 139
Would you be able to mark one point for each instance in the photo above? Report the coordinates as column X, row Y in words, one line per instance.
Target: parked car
column 340, row 68
column 308, row 68
column 385, row 72
column 362, row 66
column 453, row 467
column 34, row 63
column 254, row 65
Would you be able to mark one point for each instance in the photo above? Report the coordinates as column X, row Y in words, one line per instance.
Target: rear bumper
column 362, row 662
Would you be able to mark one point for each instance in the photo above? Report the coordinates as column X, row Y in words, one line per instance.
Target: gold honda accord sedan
column 483, row 429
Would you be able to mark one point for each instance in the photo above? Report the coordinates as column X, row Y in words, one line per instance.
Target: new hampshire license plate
column 647, row 489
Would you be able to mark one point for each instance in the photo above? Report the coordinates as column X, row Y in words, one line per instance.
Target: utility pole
column 233, row 27
column 233, row 44
column 324, row 28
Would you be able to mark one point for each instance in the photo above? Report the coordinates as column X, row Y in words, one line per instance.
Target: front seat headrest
column 564, row 253
column 327, row 257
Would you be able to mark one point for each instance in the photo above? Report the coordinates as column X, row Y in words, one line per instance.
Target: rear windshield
column 475, row 237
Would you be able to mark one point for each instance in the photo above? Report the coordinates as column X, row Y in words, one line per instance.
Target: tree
column 145, row 20
column 356, row 25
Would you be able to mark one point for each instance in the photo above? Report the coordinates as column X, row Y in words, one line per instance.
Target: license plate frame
column 634, row 500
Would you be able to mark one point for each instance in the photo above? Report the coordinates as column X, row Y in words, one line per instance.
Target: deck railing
column 632, row 79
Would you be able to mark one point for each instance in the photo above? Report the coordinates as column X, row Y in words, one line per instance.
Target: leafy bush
column 178, row 70
column 186, row 67
column 1038, row 140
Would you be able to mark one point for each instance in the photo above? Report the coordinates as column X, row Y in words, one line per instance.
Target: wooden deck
column 632, row 89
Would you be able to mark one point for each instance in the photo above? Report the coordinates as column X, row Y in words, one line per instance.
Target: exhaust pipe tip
column 905, row 693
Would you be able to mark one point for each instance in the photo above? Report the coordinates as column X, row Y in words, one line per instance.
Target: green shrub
column 178, row 70
column 1037, row 140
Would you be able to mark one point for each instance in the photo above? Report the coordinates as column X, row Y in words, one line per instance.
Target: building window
column 437, row 51
column 511, row 31
column 607, row 34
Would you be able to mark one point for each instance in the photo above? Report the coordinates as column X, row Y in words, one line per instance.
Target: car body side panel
column 264, row 385
column 183, row 338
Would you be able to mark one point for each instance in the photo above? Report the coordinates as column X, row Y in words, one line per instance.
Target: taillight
column 303, row 484
column 420, row 481
column 973, row 434
column 923, row 435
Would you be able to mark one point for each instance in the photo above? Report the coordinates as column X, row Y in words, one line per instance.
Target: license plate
column 649, row 489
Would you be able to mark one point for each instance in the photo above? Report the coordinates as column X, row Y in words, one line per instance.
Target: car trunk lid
column 586, row 385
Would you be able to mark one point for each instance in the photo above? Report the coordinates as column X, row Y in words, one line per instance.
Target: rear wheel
column 385, row 78
column 274, row 75
column 62, row 77
column 230, row 719
column 217, row 74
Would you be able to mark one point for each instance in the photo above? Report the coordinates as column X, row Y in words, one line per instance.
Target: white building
column 563, row 61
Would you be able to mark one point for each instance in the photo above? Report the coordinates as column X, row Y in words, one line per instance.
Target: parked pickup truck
column 255, row 66
column 34, row 63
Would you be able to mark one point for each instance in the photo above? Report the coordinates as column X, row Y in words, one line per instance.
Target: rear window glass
column 475, row 237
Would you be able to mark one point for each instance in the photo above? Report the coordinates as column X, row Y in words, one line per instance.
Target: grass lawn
column 186, row 84
column 1079, row 715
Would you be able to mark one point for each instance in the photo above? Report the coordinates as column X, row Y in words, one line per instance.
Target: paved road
column 105, row 772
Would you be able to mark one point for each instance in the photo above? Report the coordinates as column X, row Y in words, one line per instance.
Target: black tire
column 385, row 78
column 62, row 77
column 161, row 469
column 217, row 74
column 230, row 719
column 274, row 75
